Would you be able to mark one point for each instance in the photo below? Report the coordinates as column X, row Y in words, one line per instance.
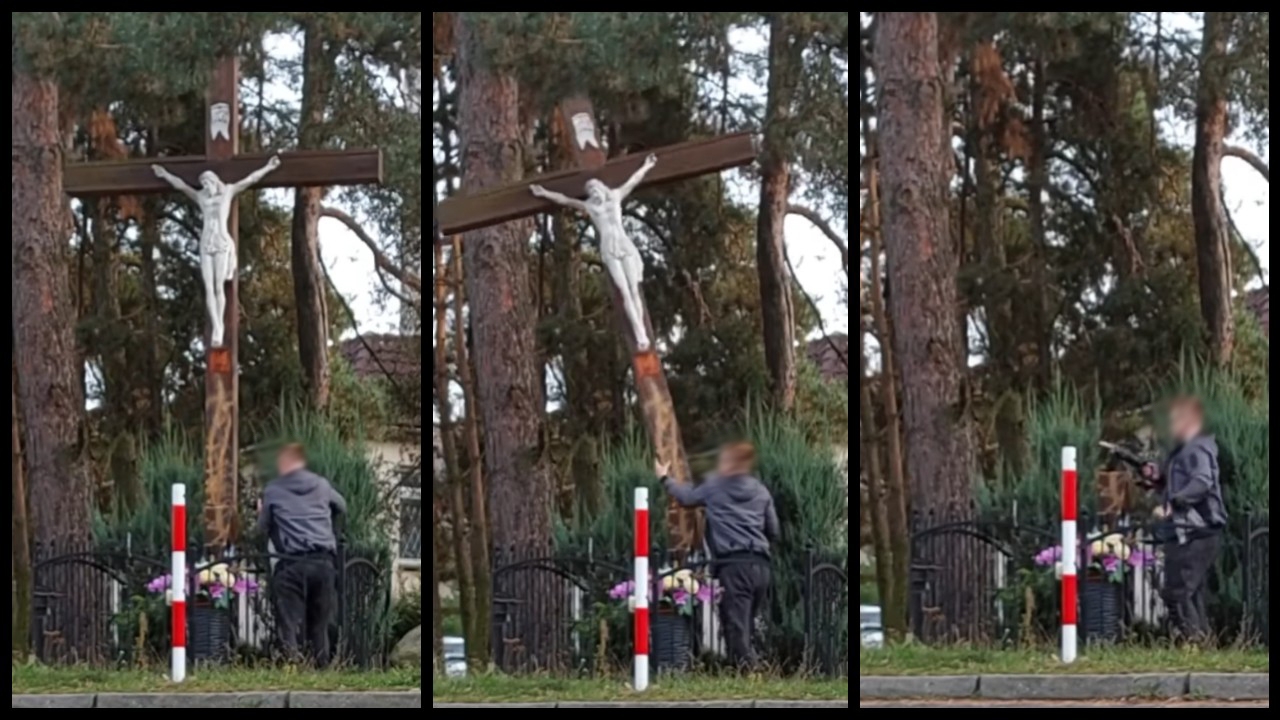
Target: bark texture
column 1213, row 257
column 50, row 397
column 776, row 302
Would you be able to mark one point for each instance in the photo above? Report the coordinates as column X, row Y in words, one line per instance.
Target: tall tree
column 786, row 61
column 1213, row 256
column 308, row 278
column 915, row 165
column 49, row 392
column 502, row 311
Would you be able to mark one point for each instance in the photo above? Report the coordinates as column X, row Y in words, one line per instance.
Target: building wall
column 391, row 458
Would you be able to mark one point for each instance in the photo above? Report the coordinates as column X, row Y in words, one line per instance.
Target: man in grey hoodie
column 296, row 512
column 1196, row 515
column 741, row 523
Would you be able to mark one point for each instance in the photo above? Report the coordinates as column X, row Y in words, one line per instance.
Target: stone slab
column 355, row 699
column 1081, row 687
column 53, row 701
column 1231, row 686
column 918, row 686
column 192, row 700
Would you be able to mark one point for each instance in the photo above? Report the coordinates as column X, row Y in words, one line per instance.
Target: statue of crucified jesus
column 217, row 249
column 621, row 257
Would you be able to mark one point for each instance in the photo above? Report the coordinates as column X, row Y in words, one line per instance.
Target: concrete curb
column 797, row 704
column 1211, row 686
column 225, row 700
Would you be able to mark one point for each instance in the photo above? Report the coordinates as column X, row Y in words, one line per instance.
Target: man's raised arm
column 175, row 181
column 256, row 175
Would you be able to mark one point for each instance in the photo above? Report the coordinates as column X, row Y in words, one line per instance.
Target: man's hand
column 661, row 469
column 1161, row 512
column 1151, row 471
column 259, row 505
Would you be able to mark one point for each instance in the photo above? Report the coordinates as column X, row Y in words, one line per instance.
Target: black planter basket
column 209, row 633
column 671, row 642
column 1101, row 610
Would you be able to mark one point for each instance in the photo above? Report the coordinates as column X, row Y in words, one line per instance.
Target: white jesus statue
column 217, row 249
column 621, row 257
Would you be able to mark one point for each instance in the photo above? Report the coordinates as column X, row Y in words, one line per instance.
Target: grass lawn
column 921, row 660
column 37, row 679
column 534, row 689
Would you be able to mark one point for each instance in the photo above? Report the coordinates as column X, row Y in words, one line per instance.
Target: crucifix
column 597, row 188
column 212, row 181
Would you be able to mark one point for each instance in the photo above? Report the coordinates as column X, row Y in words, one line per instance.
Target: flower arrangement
column 1107, row 556
column 681, row 592
column 216, row 584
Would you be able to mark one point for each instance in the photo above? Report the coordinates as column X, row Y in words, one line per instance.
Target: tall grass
column 142, row 525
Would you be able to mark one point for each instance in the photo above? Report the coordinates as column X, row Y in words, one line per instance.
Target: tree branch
column 1247, row 156
column 826, row 229
column 380, row 259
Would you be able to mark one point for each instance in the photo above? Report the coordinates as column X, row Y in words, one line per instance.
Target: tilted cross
column 298, row 169
column 677, row 162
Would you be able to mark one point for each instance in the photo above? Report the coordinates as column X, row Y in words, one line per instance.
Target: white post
column 178, row 584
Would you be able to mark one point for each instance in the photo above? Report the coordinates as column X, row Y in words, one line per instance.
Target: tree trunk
column 898, row 529
column 437, row 557
column 775, row 188
column 479, row 517
column 308, row 277
column 461, row 525
column 508, row 368
column 915, row 166
column 49, row 394
column 21, row 537
column 1213, row 258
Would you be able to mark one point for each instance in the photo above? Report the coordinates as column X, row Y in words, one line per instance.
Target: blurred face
column 287, row 462
column 1184, row 422
column 728, row 464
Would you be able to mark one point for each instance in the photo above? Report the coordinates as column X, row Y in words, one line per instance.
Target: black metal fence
column 571, row 615
column 990, row 582
column 106, row 608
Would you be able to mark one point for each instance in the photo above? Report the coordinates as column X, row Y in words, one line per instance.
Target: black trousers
column 306, row 598
column 1186, row 584
column 744, row 581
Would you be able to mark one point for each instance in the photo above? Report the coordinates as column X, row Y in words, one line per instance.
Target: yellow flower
column 683, row 580
column 1114, row 544
column 218, row 573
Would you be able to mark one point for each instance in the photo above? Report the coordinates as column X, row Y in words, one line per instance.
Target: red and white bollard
column 178, row 584
column 642, row 590
column 1069, row 553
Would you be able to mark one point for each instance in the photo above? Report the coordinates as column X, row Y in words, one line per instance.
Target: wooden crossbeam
column 511, row 202
column 306, row 168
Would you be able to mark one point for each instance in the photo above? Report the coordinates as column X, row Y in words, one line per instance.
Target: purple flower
column 1049, row 556
column 680, row 596
column 704, row 594
column 244, row 586
column 159, row 584
column 1141, row 559
column 622, row 591
column 217, row 590
column 1110, row 563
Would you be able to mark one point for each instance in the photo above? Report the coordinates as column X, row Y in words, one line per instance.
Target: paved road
column 1042, row 704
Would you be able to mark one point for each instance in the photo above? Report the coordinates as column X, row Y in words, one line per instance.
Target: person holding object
column 296, row 512
column 1195, row 515
column 742, row 521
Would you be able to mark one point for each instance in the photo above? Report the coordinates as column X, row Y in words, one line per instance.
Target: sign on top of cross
column 297, row 169
column 605, row 184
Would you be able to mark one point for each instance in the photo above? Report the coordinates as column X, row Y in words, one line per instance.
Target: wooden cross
column 677, row 162
column 298, row 169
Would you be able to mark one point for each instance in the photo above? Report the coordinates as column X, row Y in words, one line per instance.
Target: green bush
column 142, row 526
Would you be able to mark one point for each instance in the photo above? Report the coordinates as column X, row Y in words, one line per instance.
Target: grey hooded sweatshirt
column 1193, row 488
column 741, row 517
column 297, row 513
